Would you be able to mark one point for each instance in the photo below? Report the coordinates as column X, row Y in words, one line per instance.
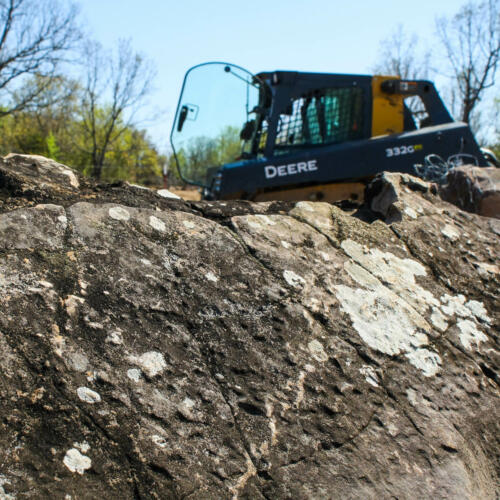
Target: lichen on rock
column 156, row 348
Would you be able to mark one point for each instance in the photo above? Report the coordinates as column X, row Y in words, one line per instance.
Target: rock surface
column 475, row 189
column 154, row 348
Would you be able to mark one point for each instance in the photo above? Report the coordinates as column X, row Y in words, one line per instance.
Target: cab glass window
column 327, row 116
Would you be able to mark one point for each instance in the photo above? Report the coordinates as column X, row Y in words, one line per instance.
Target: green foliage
column 52, row 147
column 202, row 153
column 55, row 129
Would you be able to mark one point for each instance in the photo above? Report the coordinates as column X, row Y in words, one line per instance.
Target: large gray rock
column 237, row 350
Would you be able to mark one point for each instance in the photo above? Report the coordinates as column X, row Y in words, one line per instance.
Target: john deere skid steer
column 294, row 136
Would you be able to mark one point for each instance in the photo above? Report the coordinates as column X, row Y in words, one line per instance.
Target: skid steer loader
column 287, row 135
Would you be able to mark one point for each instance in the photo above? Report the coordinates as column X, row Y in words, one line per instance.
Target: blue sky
column 325, row 36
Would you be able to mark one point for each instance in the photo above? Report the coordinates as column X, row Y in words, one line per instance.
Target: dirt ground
column 187, row 194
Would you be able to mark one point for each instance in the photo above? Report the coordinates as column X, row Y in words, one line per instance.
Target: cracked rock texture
column 154, row 348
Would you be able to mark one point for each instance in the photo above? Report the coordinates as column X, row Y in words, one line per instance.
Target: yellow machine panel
column 387, row 112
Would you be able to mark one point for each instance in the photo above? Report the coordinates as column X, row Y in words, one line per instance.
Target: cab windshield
column 216, row 121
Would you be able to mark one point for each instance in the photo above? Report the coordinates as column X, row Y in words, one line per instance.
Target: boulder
column 155, row 348
column 474, row 189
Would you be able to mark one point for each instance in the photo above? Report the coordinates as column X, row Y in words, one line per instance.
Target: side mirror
column 247, row 130
column 182, row 117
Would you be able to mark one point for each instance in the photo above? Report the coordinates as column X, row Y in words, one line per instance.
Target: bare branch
column 116, row 87
column 35, row 38
column 472, row 43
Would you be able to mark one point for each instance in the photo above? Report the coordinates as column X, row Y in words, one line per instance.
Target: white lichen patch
column 83, row 447
column 450, row 232
column 398, row 274
column 157, row 224
column 88, row 395
column 3, row 495
column 285, row 244
column 293, row 279
column 187, row 404
column 384, row 264
column 77, row 360
column 411, row 394
column 146, row 262
column 115, row 337
column 317, row 351
column 382, row 320
column 438, row 320
column 470, row 334
column 62, row 219
column 134, row 374
column 119, row 213
column 210, row 276
column 426, row 360
column 454, row 305
column 152, row 363
column 395, row 322
column 259, row 221
column 305, row 205
column 478, row 310
column 324, row 256
column 76, row 462
column 188, row 224
column 159, row 441
column 370, row 375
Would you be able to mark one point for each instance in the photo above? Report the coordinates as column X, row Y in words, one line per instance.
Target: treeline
column 60, row 129
column 62, row 95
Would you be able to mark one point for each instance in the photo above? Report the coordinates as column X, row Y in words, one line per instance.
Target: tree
column 124, row 80
column 399, row 56
column 35, row 38
column 471, row 40
column 201, row 153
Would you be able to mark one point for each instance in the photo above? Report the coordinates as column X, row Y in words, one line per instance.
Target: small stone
column 88, row 395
